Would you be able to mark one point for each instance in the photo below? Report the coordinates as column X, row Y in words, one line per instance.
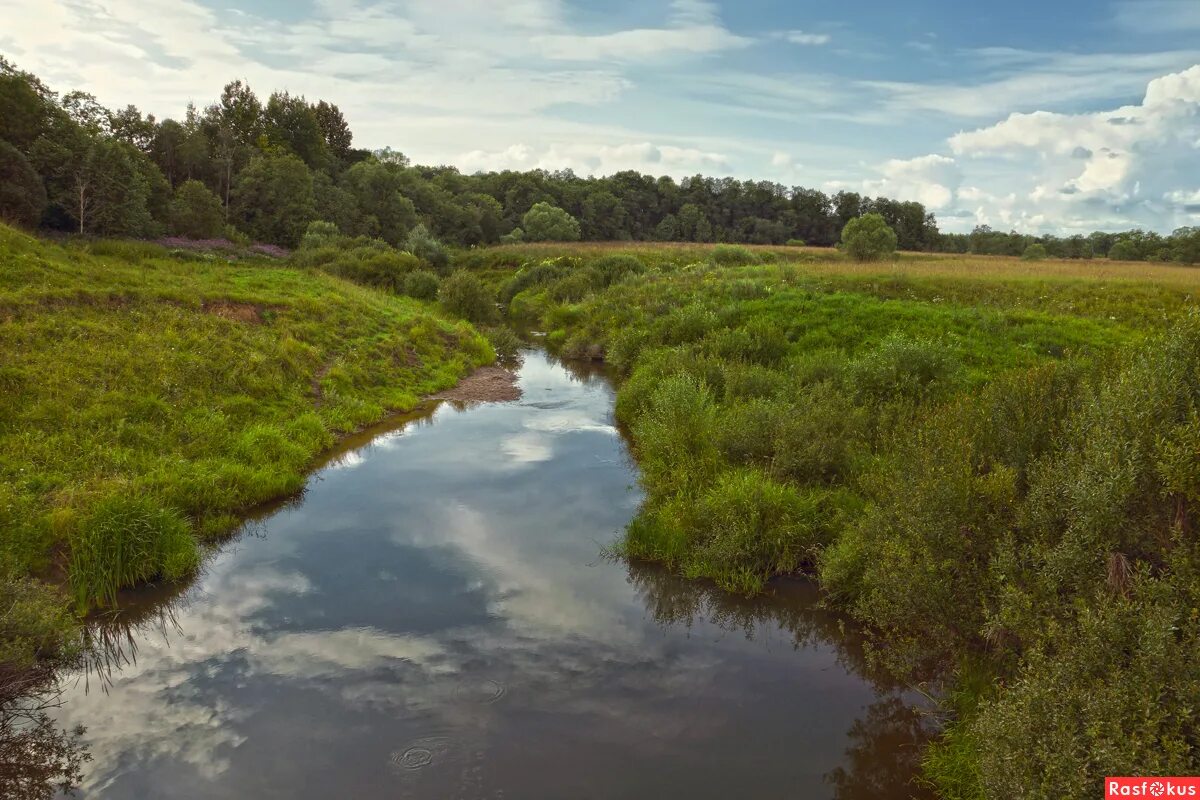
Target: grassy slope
column 145, row 391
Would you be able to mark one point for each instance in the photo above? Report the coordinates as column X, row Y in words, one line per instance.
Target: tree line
column 246, row 167
column 1183, row 245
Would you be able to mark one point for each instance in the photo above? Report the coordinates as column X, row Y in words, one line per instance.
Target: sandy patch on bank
column 484, row 385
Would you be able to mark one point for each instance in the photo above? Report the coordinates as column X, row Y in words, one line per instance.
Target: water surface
column 433, row 619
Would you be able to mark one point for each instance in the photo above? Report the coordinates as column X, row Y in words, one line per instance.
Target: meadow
column 149, row 397
column 989, row 463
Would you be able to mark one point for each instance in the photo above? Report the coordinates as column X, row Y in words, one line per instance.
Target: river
column 433, row 618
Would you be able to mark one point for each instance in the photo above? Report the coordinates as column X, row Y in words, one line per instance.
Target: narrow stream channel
column 433, row 619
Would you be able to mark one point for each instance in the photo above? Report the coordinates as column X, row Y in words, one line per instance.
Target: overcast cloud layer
column 1072, row 118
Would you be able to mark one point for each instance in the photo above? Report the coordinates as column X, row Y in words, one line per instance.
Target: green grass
column 149, row 398
column 983, row 461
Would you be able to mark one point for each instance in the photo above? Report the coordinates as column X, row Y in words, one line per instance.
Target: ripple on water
column 424, row 752
column 484, row 691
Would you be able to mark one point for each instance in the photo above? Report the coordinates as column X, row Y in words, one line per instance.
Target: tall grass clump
column 125, row 541
column 732, row 255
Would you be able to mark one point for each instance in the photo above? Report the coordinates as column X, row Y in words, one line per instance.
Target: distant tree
column 334, row 130
column 1185, row 245
column 383, row 210
column 1124, row 250
column 667, row 230
column 25, row 107
column 291, row 123
column 515, row 236
column 604, row 217
column 334, row 203
column 273, row 199
column 546, row 223
column 22, row 195
column 1035, row 252
column 693, row 224
column 130, row 126
column 868, row 238
column 196, row 212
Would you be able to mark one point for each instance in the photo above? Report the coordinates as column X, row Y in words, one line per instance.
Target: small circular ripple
column 423, row 753
column 484, row 691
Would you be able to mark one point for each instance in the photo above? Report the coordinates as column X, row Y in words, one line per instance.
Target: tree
column 1124, row 250
column 196, row 212
column 383, row 210
column 273, row 199
column 1035, row 252
column 334, row 130
column 868, row 238
column 22, row 195
column 291, row 123
column 1185, row 245
column 546, row 223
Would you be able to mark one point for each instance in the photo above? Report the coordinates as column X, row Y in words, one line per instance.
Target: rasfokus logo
column 1151, row 787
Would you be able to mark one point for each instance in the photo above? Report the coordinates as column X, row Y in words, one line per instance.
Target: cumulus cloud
column 1049, row 171
column 595, row 158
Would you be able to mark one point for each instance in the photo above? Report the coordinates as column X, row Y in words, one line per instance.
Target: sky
column 1040, row 116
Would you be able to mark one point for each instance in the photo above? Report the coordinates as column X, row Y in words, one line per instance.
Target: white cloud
column 596, row 158
column 1132, row 165
column 806, row 38
column 693, row 27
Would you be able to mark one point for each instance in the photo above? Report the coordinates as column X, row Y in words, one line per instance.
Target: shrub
column 548, row 223
column 504, row 340
column 1035, row 252
column 464, row 295
column 514, row 236
column 868, row 238
column 616, row 267
column 749, row 527
column 381, row 270
column 816, row 440
column 422, row 285
column 320, row 234
column 732, row 255
column 795, row 243
column 529, row 276
column 422, row 244
column 126, row 541
column 196, row 212
column 904, row 367
column 576, row 285
column 746, row 434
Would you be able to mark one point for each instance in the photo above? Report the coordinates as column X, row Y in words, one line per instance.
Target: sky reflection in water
column 433, row 619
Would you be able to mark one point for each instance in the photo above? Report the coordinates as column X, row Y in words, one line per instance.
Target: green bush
column 464, row 295
column 868, row 238
column 196, row 212
column 421, row 285
column 548, row 223
column 1124, row 250
column 795, row 243
column 422, row 244
column 903, row 367
column 749, row 527
column 617, row 267
column 125, row 541
column 1035, row 252
column 732, row 255
column 321, row 234
column 381, row 270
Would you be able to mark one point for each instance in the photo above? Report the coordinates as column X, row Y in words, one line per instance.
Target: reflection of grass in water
column 886, row 743
column 37, row 759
